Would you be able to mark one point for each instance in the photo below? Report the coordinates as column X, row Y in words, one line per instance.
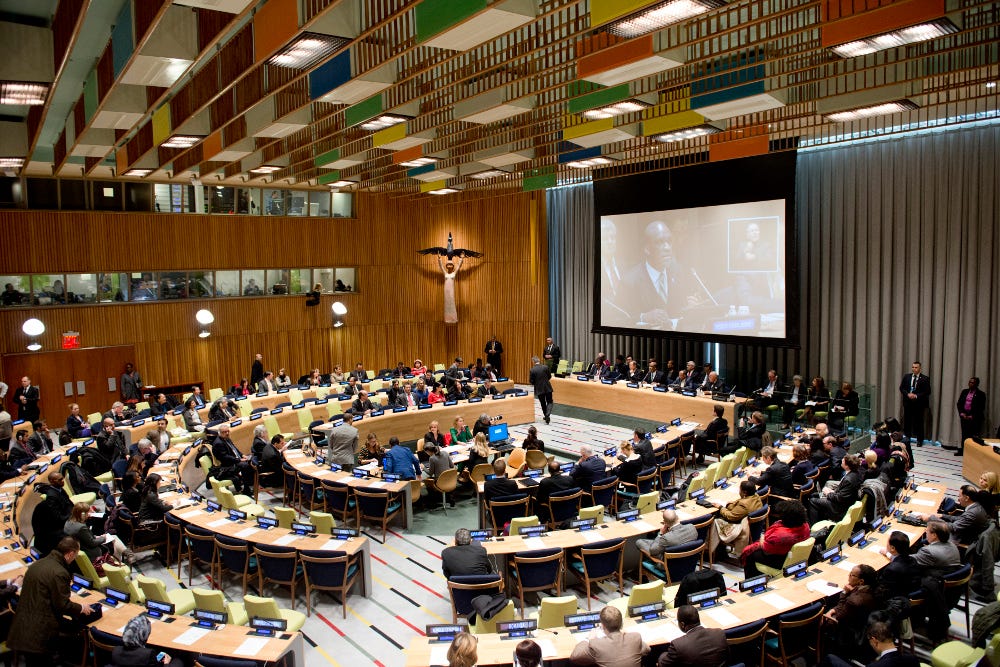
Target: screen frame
column 751, row 179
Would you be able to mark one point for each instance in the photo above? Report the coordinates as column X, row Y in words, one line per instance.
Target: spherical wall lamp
column 33, row 328
column 204, row 318
column 339, row 310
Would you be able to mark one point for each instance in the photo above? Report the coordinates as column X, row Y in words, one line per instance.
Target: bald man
column 657, row 290
column 672, row 533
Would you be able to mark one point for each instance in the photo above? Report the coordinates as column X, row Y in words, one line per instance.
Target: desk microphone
column 698, row 278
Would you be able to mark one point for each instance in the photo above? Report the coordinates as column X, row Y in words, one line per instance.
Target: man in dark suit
column 704, row 439
column 882, row 641
column 657, row 290
column 712, row 383
column 257, row 370
column 486, row 389
column 494, row 353
column 751, row 435
column 698, row 646
column 162, row 407
column 643, row 447
column 588, row 469
column 552, row 354
column 971, row 410
column 777, row 475
column 352, row 388
column 654, row 375
column 26, row 399
column 234, row 464
column 540, row 378
column 915, row 388
column 902, row 573
column 556, row 481
column 834, row 505
column 499, row 485
column 359, row 372
column 362, row 405
column 466, row 557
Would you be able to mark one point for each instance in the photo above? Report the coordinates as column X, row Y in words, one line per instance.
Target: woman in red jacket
column 778, row 540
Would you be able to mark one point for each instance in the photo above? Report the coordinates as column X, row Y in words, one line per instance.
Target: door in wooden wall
column 69, row 376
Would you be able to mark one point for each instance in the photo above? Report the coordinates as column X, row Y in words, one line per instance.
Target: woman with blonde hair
column 462, row 652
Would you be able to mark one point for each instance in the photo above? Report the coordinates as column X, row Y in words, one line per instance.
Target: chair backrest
column 210, row 600
column 697, row 484
column 261, row 607
column 372, row 504
column 746, row 643
column 87, row 568
column 153, row 589
column 516, row 458
column 711, row 474
column 646, row 502
column 646, row 593
column 338, row 495
column 519, row 522
column 646, row 480
column 502, row 511
column 447, row 481
column 857, row 511
column 840, row 532
column 577, row 367
column 799, row 628
column 757, row 521
column 285, row 517
column 562, row 366
column 277, row 563
column 682, row 560
column 701, row 524
column 271, row 424
column 666, row 472
column 565, row 505
column 601, row 559
column 233, row 552
column 334, row 408
column 305, row 420
column 118, row 578
column 420, row 444
column 214, row 394
column 595, row 512
column 535, row 459
column 202, row 542
column 603, row 491
column 246, row 408
column 800, row 551
column 553, row 611
column 806, row 490
column 726, row 466
column 538, row 569
column 325, row 568
column 480, row 471
column 226, row 498
column 323, row 521
column 464, row 588
column 741, row 454
column 958, row 577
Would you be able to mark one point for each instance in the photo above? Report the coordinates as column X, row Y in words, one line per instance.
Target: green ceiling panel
column 434, row 16
column 329, row 177
column 599, row 98
column 363, row 111
column 539, row 182
column 327, row 157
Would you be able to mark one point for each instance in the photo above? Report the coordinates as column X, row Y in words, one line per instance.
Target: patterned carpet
column 409, row 589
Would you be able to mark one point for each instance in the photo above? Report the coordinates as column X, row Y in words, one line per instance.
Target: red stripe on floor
column 327, row 621
column 438, row 556
column 374, row 557
column 429, row 589
column 412, row 627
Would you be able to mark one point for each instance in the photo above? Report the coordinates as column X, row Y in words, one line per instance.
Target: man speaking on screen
column 659, row 289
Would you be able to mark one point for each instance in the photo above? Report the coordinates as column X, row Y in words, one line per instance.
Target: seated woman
column 370, row 450
column 794, row 399
column 134, row 650
column 479, row 452
column 192, row 420
column 75, row 424
column 315, row 378
column 731, row 529
column 152, row 509
column 531, row 441
column 76, row 526
column 819, row 396
column 801, row 465
column 630, row 465
column 131, row 497
column 337, row 374
column 460, row 432
column 791, row 528
column 283, row 380
column 418, row 368
column 436, row 395
column 845, row 403
column 478, row 370
column 243, row 388
column 846, row 622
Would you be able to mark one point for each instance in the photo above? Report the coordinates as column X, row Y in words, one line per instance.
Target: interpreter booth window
column 106, row 195
column 138, row 197
column 250, row 201
column 253, row 283
column 221, row 200
column 325, row 279
column 200, row 285
column 172, row 198
column 81, row 288
column 297, row 203
column 277, row 281
column 43, row 193
column 227, row 283
column 16, row 290
column 72, row 194
column 319, row 204
column 143, row 286
column 344, row 280
column 48, row 290
column 112, row 287
column 173, row 285
column 274, row 202
column 342, row 204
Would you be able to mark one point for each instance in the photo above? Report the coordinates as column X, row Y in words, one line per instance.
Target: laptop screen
column 498, row 433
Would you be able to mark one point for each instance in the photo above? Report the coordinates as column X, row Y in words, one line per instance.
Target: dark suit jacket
column 922, row 389
column 552, row 484
column 360, row 406
column 655, row 377
column 554, row 351
column 846, row 492
column 465, row 559
column 639, row 294
column 644, row 448
column 225, row 452
column 698, row 647
column 585, row 472
column 43, row 602
column 779, row 478
column 751, row 434
column 900, row 577
column 715, row 427
column 540, row 378
column 978, row 404
column 896, row 659
column 499, row 486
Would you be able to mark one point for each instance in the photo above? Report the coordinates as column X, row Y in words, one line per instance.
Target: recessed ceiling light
column 418, row 162
column 874, row 110
column 442, row 191
column 659, row 16
column 180, row 141
column 19, row 93
column 687, row 133
column 138, row 172
column 341, row 184
column 991, row 84
column 490, row 173
column 11, row 162
column 309, row 49
column 383, row 121
column 266, row 169
column 916, row 33
column 617, row 109
column 592, row 162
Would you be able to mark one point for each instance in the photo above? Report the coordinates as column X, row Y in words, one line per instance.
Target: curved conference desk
column 976, row 459
column 181, row 633
column 735, row 609
column 642, row 402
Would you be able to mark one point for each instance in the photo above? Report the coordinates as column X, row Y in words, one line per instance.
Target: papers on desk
column 189, row 514
column 822, row 586
column 657, row 633
column 189, row 637
column 439, row 654
column 643, row 526
column 591, row 536
column 251, row 646
column 925, row 489
column 6, row 567
column 845, row 565
column 294, row 454
column 548, row 648
column 723, row 617
column 534, row 543
column 777, row 601
column 924, row 503
column 247, row 532
column 218, row 522
column 378, row 484
column 333, row 545
column 285, row 539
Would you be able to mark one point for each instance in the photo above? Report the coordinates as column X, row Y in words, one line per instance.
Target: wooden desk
column 642, row 403
column 307, row 466
column 977, row 459
column 176, row 390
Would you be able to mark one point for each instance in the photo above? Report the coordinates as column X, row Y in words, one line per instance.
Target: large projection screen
column 689, row 259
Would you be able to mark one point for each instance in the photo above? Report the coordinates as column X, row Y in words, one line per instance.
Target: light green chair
column 956, row 654
column 577, row 367
column 697, row 484
column 89, row 572
column 214, row 394
column 246, row 408
column 153, row 589
column 484, row 627
column 258, row 607
column 231, row 501
column 285, row 517
column 271, row 424
column 646, row 503
column 333, row 408
column 596, row 512
column 726, row 466
column 214, row 601
column 800, row 551
column 711, row 474
column 552, row 612
column 295, row 396
column 562, row 367
column 519, row 522
column 119, row 577
column 323, row 521
column 653, row 591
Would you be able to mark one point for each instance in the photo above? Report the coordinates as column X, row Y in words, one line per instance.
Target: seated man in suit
column 654, row 375
column 777, row 475
column 162, row 407
column 902, row 573
column 466, row 557
column 486, row 389
column 556, row 481
column 352, row 389
column 407, row 398
column 752, row 432
column 222, row 409
column 359, row 372
column 834, row 505
column 704, row 441
column 882, row 641
column 362, row 405
column 643, row 447
column 601, row 366
column 116, row 413
column 713, row 384
column 973, row 521
column 499, row 485
column 587, row 469
column 672, row 533
column 41, row 438
column 234, row 464
column 698, row 646
column 612, row 647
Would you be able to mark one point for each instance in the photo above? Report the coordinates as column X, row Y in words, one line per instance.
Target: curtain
column 898, row 262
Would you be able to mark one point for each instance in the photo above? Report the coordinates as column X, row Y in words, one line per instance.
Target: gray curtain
column 898, row 262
